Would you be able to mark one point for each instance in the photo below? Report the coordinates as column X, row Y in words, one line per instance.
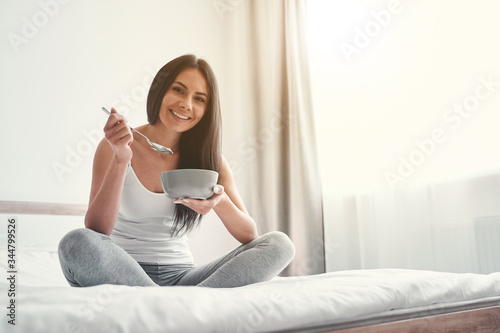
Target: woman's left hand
column 203, row 207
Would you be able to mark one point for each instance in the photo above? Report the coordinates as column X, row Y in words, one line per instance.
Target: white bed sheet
column 45, row 302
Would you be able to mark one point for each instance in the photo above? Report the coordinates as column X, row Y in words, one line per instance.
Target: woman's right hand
column 119, row 136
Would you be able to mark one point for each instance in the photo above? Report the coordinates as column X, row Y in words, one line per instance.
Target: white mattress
column 45, row 302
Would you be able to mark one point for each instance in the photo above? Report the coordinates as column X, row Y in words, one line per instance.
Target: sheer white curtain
column 451, row 226
column 406, row 98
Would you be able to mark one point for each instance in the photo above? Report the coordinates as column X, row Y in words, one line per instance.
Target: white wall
column 63, row 60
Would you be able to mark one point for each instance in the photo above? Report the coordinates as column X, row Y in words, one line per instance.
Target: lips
column 178, row 115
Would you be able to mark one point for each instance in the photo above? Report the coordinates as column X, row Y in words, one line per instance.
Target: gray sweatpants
column 89, row 258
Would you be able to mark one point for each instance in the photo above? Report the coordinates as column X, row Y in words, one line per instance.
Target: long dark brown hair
column 199, row 147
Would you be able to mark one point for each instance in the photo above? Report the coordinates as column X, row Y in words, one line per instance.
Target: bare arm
column 232, row 211
column 110, row 165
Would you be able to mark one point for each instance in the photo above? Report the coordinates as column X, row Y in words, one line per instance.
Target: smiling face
column 185, row 101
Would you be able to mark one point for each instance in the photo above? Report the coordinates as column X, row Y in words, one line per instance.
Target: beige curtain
column 284, row 171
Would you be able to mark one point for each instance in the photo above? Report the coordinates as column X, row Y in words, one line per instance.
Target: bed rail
column 42, row 208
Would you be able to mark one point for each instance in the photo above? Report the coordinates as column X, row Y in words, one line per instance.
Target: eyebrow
column 185, row 87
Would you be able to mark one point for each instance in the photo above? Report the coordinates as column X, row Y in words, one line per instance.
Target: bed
column 377, row 300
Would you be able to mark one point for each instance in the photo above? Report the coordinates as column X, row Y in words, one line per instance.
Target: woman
column 134, row 234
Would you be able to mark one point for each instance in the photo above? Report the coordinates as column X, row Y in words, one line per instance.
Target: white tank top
column 144, row 225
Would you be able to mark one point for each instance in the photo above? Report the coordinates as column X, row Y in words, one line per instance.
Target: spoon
column 154, row 146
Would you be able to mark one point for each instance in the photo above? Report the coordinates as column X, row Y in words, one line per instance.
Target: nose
column 185, row 104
